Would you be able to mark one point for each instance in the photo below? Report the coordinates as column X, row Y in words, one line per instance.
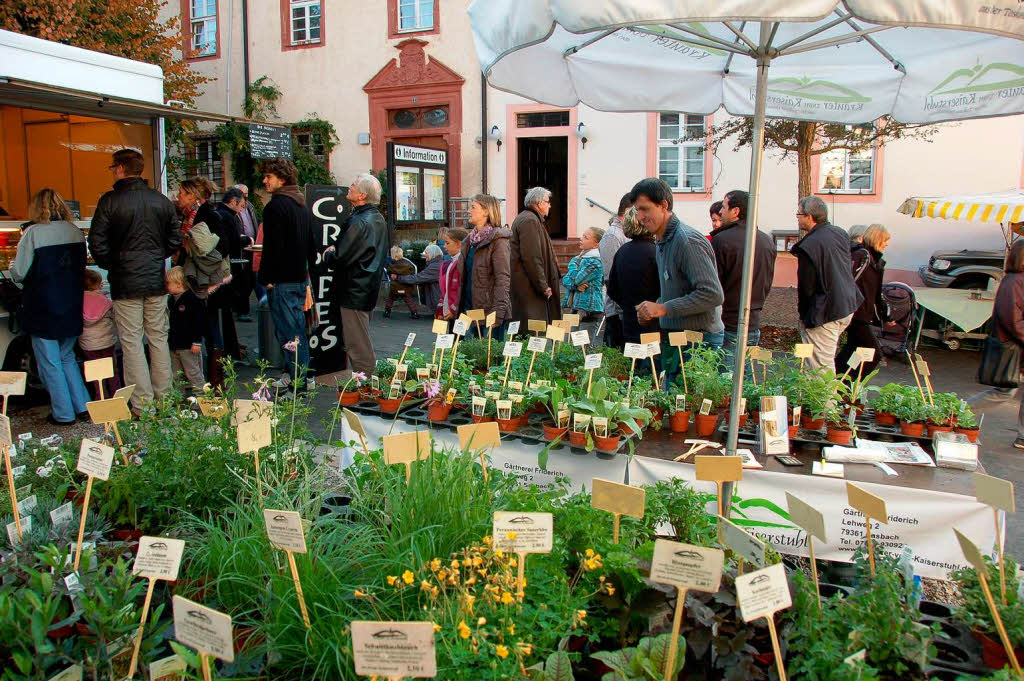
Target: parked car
column 966, row 269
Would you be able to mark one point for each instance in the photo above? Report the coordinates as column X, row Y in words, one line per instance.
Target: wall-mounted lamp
column 582, row 133
column 495, row 134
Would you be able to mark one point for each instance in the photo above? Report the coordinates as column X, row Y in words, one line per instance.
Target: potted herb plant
column 554, row 398
column 438, row 406
column 351, row 393
column 679, row 412
column 885, row 402
column 967, row 423
column 838, row 430
column 912, row 412
column 975, row 614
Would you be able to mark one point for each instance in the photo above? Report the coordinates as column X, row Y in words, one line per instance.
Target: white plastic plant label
column 580, row 338
column 687, row 566
column 95, row 459
column 634, row 351
column 763, row 592
column 516, row 532
column 593, row 361
column 445, row 341
column 513, row 328
column 203, row 628
column 512, row 349
column 537, row 344
column 285, row 530
column 410, row 339
column 158, row 557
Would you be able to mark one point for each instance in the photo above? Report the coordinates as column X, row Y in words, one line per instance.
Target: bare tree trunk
column 805, row 145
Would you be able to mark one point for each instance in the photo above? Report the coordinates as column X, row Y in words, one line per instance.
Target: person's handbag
column 1000, row 362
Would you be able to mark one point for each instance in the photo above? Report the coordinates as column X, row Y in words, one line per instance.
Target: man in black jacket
column 728, row 242
column 357, row 265
column 827, row 295
column 288, row 256
column 134, row 229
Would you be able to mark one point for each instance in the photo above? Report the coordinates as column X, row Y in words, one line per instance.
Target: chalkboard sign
column 330, row 208
column 270, row 141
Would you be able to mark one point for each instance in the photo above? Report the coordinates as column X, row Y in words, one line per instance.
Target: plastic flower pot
column 743, row 419
column 607, row 444
column 912, row 428
column 755, row 417
column 553, row 432
column 390, row 406
column 971, row 433
column 793, row 431
column 509, row 425
column 482, row 419
column 883, row 418
column 657, row 414
column 679, row 422
column 933, row 428
column 807, row 423
column 705, row 424
column 839, row 436
column 349, row 397
column 858, row 406
column 626, row 430
column 578, row 439
column 992, row 652
column 438, row 411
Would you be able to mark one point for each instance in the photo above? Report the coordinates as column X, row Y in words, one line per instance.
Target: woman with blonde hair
column 634, row 277
column 868, row 274
column 51, row 266
column 484, row 265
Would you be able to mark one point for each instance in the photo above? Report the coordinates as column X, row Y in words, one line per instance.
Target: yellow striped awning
column 999, row 207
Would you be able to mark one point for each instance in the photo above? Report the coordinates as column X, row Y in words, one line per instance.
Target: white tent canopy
column 997, row 207
column 829, row 60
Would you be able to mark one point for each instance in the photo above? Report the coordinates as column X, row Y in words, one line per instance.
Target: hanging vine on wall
column 261, row 104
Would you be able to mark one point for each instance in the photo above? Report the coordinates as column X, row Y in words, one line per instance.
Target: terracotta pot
column 743, row 419
column 578, row 439
column 793, row 431
column 657, row 414
column 839, row 436
column 859, row 407
column 912, row 428
column 625, row 430
column 971, row 433
column 679, row 422
column 349, row 397
column 553, row 432
column 509, row 425
column 883, row 418
column 438, row 411
column 482, row 419
column 390, row 406
column 807, row 423
column 705, row 424
column 755, row 417
column 992, row 651
column 933, row 428
column 607, row 444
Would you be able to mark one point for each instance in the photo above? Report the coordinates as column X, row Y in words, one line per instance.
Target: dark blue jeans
column 286, row 301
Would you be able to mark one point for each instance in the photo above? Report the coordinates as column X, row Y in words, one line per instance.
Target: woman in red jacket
column 451, row 282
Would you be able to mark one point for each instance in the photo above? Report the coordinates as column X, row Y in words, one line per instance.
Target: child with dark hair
column 99, row 335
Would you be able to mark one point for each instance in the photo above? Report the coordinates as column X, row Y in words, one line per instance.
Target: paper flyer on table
column 871, row 451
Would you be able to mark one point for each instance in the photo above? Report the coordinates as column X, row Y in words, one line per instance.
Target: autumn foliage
column 124, row 28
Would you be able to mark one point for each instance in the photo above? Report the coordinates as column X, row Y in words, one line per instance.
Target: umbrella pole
column 740, row 351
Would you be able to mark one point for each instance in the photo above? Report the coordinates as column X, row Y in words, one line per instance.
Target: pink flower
column 359, row 377
column 433, row 389
column 292, row 345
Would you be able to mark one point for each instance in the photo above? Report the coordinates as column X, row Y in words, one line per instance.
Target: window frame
column 682, row 144
column 394, row 30
column 212, row 161
column 874, row 195
column 324, row 157
column 846, row 189
column 286, row 27
column 187, row 22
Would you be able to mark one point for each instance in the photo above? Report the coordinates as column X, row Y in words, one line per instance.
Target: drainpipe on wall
column 245, row 50
column 483, row 133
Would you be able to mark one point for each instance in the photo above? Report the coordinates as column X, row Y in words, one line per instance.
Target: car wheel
column 953, row 344
column 20, row 357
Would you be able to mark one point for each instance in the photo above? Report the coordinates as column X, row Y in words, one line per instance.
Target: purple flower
column 433, row 389
column 292, row 345
column 359, row 377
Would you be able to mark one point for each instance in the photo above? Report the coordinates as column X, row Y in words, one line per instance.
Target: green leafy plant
column 974, row 610
column 646, row 662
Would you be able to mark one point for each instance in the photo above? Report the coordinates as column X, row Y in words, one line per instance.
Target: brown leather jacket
column 489, row 280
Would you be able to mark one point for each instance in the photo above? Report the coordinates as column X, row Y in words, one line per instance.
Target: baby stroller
column 902, row 304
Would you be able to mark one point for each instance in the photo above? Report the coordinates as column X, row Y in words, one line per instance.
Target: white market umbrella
column 844, row 61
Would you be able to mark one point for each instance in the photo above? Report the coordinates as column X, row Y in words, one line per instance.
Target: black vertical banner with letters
column 330, row 208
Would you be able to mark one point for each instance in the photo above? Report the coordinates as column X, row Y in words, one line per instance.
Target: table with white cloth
column 965, row 309
column 923, row 502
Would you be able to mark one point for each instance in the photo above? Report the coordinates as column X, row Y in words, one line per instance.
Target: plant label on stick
column 63, row 515
column 476, row 315
column 213, row 407
column 170, row 668
column 719, row 469
column 504, row 409
column 254, row 435
column 444, row 341
column 803, row 350
column 108, row 411
column 677, row 339
column 694, row 337
column 537, row 344
column 746, row 546
column 513, row 328
column 634, row 351
column 12, row 383
column 204, row 629
column 422, row 373
column 600, row 426
column 592, row 361
column 405, row 448
column 652, row 349
column 459, row 328
column 763, row 592
column 562, row 418
column 479, row 436
column 410, row 339
column 72, row 673
column 571, row 318
column 705, row 406
column 995, row 492
column 394, row 650
column 651, row 337
column 491, row 320
column 687, row 566
column 873, row 508
column 516, row 386
column 95, row 459
column 555, row 333
column 250, row 410
column 98, row 369
column 516, row 532
column 580, row 422
column 580, row 338
column 5, row 431
column 536, row 325
column 806, row 516
column 12, row 530
column 440, row 326
column 619, row 500
column 512, row 349
column 284, row 528
column 158, row 558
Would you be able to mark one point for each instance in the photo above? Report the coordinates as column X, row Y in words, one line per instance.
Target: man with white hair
column 357, row 265
column 534, row 272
